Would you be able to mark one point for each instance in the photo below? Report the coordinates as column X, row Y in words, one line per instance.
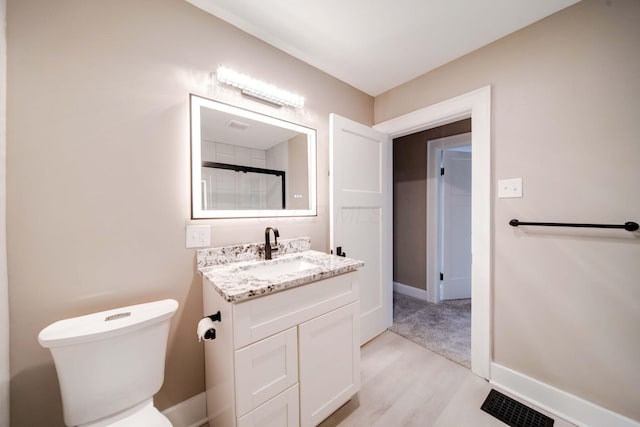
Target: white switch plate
column 198, row 236
column 509, row 188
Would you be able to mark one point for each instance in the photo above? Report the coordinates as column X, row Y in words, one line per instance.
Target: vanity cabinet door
column 281, row 411
column 329, row 362
column 265, row 369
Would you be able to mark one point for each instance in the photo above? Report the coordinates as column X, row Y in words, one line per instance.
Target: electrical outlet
column 198, row 236
column 509, row 188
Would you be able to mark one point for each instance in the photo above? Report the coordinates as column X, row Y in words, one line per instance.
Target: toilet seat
column 143, row 414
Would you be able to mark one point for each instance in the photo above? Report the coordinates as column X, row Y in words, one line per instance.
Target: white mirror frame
column 197, row 211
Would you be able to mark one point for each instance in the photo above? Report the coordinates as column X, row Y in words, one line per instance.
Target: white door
column 361, row 223
column 456, row 225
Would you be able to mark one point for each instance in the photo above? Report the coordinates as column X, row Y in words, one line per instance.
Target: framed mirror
column 246, row 164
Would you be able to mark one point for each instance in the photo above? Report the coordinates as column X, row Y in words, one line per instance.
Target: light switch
column 509, row 188
column 198, row 236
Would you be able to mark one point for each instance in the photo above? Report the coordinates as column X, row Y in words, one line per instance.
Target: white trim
column 190, row 413
column 558, row 402
column 477, row 105
column 403, row 289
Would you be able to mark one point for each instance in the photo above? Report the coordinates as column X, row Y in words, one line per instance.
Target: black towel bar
column 629, row 226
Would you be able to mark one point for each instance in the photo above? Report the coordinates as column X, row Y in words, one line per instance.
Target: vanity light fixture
column 257, row 89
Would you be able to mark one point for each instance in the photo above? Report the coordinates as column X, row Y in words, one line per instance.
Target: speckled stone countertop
column 236, row 280
column 248, row 252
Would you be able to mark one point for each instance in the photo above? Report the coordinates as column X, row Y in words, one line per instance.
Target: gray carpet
column 443, row 328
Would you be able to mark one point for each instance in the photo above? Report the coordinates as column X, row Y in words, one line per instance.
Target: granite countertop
column 241, row 274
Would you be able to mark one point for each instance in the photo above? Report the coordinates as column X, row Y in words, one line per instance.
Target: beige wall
column 98, row 170
column 565, row 115
column 98, row 185
column 410, row 202
column 5, row 374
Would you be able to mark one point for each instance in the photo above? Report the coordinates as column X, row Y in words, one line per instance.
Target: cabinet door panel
column 329, row 362
column 265, row 369
column 281, row 411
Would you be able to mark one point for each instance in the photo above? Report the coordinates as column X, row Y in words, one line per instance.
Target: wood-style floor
column 404, row 384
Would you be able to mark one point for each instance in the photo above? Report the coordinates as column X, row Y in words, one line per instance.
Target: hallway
column 443, row 328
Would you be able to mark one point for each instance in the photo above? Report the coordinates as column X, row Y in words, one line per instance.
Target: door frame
column 477, row 105
column 434, row 209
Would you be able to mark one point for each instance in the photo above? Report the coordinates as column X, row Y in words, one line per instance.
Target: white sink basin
column 271, row 269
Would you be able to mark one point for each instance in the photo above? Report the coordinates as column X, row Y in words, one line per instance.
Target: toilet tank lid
column 106, row 323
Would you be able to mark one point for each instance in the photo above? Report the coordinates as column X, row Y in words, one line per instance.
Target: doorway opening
column 423, row 197
column 477, row 106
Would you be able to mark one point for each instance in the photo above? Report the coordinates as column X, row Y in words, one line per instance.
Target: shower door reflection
column 227, row 186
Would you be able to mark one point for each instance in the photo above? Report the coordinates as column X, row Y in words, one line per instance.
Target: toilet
column 110, row 364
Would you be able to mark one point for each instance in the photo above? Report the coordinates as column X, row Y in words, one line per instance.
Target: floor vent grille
column 514, row 413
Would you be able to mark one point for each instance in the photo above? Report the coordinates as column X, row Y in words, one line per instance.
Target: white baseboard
column 558, row 402
column 410, row 291
column 190, row 413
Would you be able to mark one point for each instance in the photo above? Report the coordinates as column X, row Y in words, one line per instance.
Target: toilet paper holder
column 210, row 334
column 216, row 317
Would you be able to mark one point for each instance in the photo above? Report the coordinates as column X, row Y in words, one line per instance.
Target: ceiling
column 376, row 45
column 229, row 128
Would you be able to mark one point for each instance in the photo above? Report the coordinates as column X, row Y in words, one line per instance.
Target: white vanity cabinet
column 289, row 358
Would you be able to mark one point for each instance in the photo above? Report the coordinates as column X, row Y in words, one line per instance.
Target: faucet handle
column 276, row 234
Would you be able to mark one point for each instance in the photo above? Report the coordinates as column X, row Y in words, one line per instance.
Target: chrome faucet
column 267, row 244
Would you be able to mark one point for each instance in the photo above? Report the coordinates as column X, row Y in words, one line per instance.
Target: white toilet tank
column 111, row 361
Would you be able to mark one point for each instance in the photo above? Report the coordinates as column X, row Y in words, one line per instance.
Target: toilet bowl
column 111, row 363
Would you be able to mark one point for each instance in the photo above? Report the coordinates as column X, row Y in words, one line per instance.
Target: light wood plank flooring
column 404, row 384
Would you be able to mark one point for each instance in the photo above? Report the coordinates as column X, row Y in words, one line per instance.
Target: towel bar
column 629, row 225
